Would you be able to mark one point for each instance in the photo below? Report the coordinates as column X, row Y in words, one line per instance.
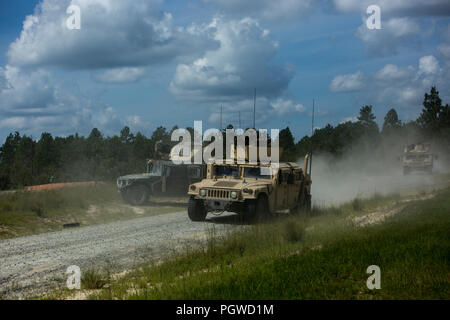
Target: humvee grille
column 223, row 194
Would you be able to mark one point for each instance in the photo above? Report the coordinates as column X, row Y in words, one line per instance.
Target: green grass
column 26, row 213
column 323, row 257
column 94, row 279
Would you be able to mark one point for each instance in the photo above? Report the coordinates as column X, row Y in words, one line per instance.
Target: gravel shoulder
column 36, row 264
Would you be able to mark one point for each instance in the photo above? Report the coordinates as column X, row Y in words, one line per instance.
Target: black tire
column 258, row 210
column 125, row 198
column 308, row 205
column 137, row 195
column 295, row 210
column 196, row 210
column 304, row 204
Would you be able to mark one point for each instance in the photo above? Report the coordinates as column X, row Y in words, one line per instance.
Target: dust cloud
column 364, row 172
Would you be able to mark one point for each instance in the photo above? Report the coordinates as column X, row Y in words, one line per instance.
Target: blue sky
column 147, row 63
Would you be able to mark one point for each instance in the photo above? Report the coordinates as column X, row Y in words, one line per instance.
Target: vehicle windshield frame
column 237, row 176
column 155, row 168
column 265, row 177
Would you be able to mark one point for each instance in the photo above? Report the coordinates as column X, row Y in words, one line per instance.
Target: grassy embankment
column 25, row 213
column 322, row 257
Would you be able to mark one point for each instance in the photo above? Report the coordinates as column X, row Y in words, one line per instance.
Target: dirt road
column 35, row 264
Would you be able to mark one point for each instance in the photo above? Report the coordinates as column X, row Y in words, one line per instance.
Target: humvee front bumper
column 222, row 199
column 123, row 184
column 418, row 166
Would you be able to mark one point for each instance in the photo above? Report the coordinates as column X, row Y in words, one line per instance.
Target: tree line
column 24, row 161
column 364, row 135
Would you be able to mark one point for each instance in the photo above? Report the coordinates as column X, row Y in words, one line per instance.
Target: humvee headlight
column 233, row 194
column 202, row 192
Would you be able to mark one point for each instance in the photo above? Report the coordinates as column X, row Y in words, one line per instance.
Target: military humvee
column 163, row 178
column 254, row 190
column 417, row 157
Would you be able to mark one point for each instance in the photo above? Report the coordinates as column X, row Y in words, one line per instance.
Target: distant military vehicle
column 254, row 190
column 417, row 157
column 163, row 178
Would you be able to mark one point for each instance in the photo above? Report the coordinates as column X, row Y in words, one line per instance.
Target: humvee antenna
column 312, row 134
column 240, row 120
column 254, row 111
column 221, row 107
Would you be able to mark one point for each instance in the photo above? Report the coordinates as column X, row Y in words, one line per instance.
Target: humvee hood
column 137, row 176
column 231, row 184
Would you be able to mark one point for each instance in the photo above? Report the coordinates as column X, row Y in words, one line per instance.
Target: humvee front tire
column 137, row 195
column 304, row 204
column 125, row 197
column 308, row 203
column 196, row 210
column 259, row 209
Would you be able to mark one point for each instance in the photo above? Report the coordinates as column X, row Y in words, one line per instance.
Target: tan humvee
column 417, row 157
column 255, row 190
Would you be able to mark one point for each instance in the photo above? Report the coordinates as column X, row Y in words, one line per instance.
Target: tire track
column 35, row 264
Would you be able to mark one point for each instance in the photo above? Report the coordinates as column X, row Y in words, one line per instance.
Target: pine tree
column 433, row 114
column 366, row 117
column 391, row 121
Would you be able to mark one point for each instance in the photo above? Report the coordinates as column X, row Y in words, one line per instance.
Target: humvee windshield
column 257, row 172
column 419, row 157
column 423, row 157
column 226, row 171
column 155, row 169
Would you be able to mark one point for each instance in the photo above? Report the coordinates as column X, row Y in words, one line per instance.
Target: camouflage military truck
column 252, row 190
column 417, row 157
column 163, row 178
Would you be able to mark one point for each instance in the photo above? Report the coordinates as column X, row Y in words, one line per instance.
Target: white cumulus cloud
column 266, row 109
column 393, row 32
column 242, row 62
column 120, row 75
column 444, row 48
column 396, row 7
column 113, row 34
column 397, row 86
column 32, row 102
column 347, row 82
column 283, row 107
column 392, row 72
column 402, row 22
column 428, row 65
